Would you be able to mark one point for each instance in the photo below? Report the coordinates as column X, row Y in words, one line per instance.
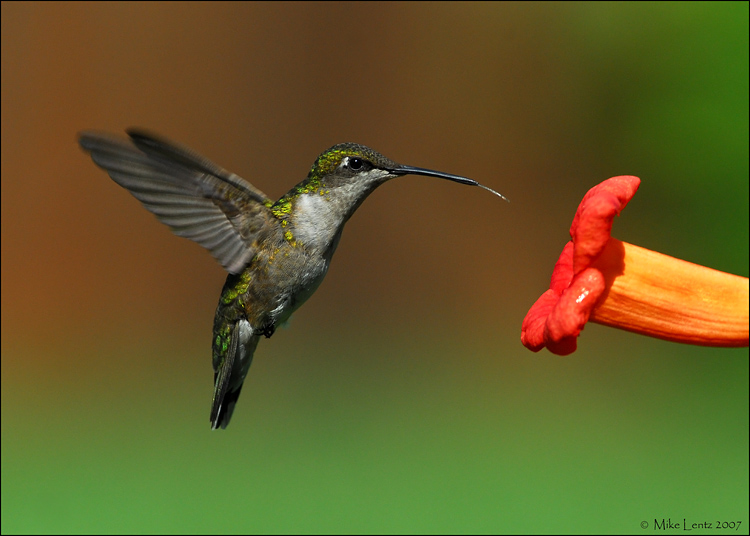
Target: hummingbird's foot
column 267, row 330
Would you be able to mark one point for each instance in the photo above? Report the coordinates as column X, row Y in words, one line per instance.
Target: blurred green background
column 400, row 399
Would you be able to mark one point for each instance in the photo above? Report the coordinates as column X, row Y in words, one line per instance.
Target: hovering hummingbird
column 276, row 253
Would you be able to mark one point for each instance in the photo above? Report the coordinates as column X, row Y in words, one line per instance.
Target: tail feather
column 231, row 371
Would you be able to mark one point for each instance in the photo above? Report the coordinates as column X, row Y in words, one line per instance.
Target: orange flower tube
column 601, row 279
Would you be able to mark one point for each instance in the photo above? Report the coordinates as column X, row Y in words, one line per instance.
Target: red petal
column 592, row 223
column 562, row 274
column 559, row 315
column 572, row 311
column 533, row 328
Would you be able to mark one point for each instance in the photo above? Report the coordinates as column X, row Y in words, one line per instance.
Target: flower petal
column 559, row 315
column 573, row 310
column 592, row 224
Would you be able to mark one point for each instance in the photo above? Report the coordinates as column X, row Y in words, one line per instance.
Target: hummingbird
column 276, row 252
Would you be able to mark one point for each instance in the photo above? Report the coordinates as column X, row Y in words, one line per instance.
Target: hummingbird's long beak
column 410, row 170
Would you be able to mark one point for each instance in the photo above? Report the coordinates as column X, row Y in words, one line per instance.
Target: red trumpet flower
column 601, row 279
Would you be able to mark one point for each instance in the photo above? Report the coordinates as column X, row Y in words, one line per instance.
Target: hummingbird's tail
column 230, row 370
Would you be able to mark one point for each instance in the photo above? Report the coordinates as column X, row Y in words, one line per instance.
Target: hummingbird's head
column 350, row 163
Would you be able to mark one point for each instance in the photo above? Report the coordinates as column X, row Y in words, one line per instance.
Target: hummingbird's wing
column 196, row 198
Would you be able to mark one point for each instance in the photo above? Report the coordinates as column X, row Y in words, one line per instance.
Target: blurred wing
column 196, row 198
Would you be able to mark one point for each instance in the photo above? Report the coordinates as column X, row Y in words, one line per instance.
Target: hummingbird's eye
column 355, row 164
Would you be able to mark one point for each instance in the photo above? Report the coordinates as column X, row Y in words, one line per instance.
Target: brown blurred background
column 400, row 398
